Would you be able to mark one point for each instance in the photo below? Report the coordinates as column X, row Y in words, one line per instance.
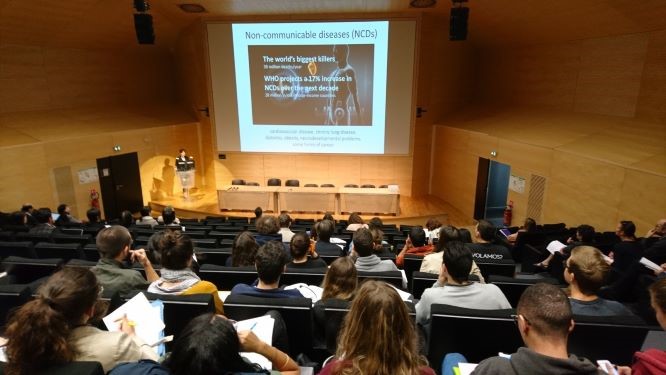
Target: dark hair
column 417, row 236
column 244, row 250
column 377, row 238
column 628, row 228
column 270, row 261
column 112, row 240
column 355, row 218
column 175, row 249
column 458, row 260
column 17, row 218
column 299, row 245
column 486, row 230
column 62, row 208
column 38, row 331
column 465, row 235
column 432, row 224
column 340, row 280
column 93, row 215
column 447, row 234
column 258, row 212
column 658, row 293
column 168, row 215
column 284, row 219
column 42, row 215
column 153, row 246
column 26, row 207
column 363, row 244
column 145, row 211
column 181, row 150
column 530, row 225
column 375, row 222
column 324, row 230
column 328, row 216
column 207, row 345
column 547, row 309
column 267, row 225
column 126, row 219
column 586, row 233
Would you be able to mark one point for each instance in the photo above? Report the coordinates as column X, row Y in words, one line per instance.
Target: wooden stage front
column 413, row 211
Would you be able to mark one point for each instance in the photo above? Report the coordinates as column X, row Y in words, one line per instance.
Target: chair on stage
column 252, row 184
column 351, row 186
column 368, row 186
column 327, row 185
column 238, row 182
column 310, row 185
column 292, row 183
column 274, row 182
column 382, row 187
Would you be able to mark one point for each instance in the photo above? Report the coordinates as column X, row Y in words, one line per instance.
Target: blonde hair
column 378, row 337
column 340, row 280
column 590, row 269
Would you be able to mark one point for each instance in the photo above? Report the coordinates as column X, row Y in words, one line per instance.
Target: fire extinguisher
column 94, row 198
column 508, row 214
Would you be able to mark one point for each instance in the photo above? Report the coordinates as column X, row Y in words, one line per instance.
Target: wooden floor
column 413, row 211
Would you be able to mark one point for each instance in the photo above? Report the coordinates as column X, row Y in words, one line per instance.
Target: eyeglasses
column 516, row 317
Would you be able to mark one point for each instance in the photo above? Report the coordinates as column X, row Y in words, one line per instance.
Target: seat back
column 513, row 288
column 613, row 338
column 217, row 256
column 368, row 186
column 293, row 183
column 12, row 296
column 238, row 181
column 225, row 278
column 311, row 185
column 312, row 276
column 351, row 186
column 26, row 270
column 20, row 249
column 327, row 185
column 422, row 281
column 274, row 182
column 91, row 252
column 210, row 243
column 458, row 327
column 412, row 263
column 82, row 239
column 503, row 268
column 296, row 312
column 392, row 277
column 67, row 251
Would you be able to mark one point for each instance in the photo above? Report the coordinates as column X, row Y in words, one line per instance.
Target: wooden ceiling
column 109, row 24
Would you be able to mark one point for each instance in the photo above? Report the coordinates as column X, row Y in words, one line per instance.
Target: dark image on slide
column 312, row 85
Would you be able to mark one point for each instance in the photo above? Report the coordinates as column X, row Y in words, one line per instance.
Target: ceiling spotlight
column 422, row 3
column 192, row 8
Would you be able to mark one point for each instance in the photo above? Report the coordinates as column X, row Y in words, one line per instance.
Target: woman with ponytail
column 53, row 328
column 177, row 278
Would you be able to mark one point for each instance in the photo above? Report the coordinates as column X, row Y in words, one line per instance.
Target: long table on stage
column 309, row 199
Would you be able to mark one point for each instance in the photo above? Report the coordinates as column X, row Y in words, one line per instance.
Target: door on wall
column 492, row 190
column 120, row 184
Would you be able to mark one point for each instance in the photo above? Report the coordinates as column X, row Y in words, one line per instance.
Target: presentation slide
column 305, row 87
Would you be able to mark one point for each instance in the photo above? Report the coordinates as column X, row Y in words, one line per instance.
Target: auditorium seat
column 252, row 184
column 513, row 287
column 82, row 239
column 422, row 281
column 225, row 278
column 34, row 238
column 71, row 368
column 238, row 181
column 274, row 182
column 17, row 248
column 351, row 186
column 66, row 251
column 25, row 271
column 80, row 263
column 505, row 267
column 327, row 185
column 11, row 297
column 296, row 313
column 313, row 276
column 292, row 183
column 91, row 253
column 383, row 186
column 392, row 277
column 412, row 263
column 310, row 185
column 212, row 255
column 368, row 186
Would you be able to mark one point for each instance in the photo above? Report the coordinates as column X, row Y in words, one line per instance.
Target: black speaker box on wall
column 458, row 23
column 143, row 25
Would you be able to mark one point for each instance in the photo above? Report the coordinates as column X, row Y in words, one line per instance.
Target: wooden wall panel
column 652, row 95
column 565, row 203
column 643, row 199
column 610, row 74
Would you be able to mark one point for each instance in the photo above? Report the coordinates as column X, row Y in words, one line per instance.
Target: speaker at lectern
column 185, row 169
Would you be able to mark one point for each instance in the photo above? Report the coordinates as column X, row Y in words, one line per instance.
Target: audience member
column 270, row 263
column 29, row 211
column 18, row 219
column 375, row 223
column 432, row 228
column 65, row 217
column 485, row 249
column 465, row 235
column 258, row 212
column 324, row 246
column 243, row 250
column 44, row 224
column 146, row 218
column 454, row 288
column 168, row 217
column 432, row 263
column 529, row 226
column 584, row 237
column 355, row 222
column 628, row 250
column 285, row 222
column 340, row 280
column 95, row 222
column 267, row 230
column 586, row 271
column 176, row 276
column 53, row 328
column 381, row 248
column 654, row 243
column 328, row 216
column 126, row 219
column 544, row 320
column 209, row 344
column 377, row 337
column 299, row 247
column 113, row 244
column 367, row 260
column 416, row 244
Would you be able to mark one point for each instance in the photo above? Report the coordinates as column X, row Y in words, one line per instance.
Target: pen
column 254, row 325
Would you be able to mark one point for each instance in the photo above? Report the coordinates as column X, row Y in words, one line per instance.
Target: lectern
column 185, row 170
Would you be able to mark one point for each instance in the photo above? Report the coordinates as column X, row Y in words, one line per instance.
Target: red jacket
column 650, row 362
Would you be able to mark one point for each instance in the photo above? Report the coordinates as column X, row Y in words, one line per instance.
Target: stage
column 413, row 211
